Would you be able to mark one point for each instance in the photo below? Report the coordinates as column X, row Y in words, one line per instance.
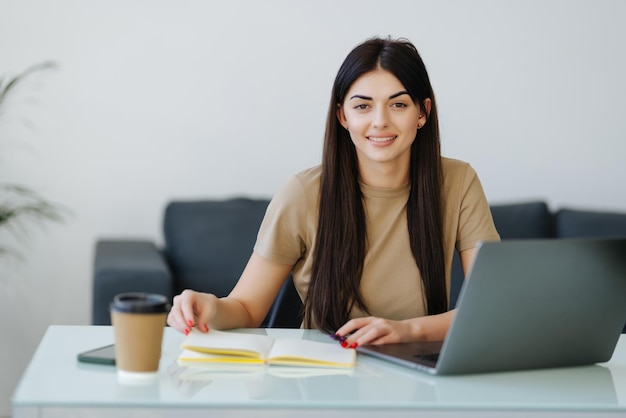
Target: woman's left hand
column 373, row 330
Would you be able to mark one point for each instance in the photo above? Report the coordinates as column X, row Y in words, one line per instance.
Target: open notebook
column 529, row 304
column 235, row 348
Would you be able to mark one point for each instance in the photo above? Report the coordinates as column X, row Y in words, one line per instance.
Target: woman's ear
column 427, row 105
column 424, row 113
column 341, row 116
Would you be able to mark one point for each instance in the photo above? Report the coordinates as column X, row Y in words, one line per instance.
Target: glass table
column 55, row 384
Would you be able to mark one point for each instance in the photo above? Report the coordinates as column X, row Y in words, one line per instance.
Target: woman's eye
column 398, row 105
column 361, row 107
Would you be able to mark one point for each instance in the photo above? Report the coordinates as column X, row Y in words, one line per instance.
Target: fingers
column 175, row 318
column 346, row 335
column 370, row 330
column 355, row 332
column 188, row 305
column 191, row 309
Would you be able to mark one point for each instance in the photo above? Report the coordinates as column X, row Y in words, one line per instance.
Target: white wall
column 155, row 100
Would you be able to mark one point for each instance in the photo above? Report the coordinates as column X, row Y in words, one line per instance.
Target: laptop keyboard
column 430, row 358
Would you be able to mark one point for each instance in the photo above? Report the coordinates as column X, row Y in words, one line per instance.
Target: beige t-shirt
column 391, row 284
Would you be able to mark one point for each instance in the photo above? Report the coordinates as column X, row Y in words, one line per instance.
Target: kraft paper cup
column 138, row 322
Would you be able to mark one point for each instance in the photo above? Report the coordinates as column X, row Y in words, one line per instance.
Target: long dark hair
column 341, row 237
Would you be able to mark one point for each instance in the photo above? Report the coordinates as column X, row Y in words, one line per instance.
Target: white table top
column 55, row 383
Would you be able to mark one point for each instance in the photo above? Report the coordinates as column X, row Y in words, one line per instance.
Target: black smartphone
column 100, row 355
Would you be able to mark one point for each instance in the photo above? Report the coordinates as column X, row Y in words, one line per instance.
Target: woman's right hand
column 190, row 309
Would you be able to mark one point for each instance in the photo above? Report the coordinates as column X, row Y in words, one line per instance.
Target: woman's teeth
column 389, row 138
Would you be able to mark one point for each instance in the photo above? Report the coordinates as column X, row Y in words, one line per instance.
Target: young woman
column 369, row 234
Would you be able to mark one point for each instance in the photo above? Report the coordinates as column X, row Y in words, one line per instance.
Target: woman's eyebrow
column 393, row 96
column 400, row 93
column 359, row 96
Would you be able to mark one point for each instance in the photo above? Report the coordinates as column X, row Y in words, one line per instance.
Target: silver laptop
column 529, row 304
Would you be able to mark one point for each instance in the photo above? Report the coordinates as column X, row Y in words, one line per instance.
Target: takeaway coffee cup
column 138, row 321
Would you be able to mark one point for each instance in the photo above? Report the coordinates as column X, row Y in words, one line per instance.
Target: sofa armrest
column 126, row 266
column 524, row 220
column 574, row 223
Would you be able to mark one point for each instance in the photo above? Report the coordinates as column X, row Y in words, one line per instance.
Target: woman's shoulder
column 453, row 168
column 300, row 185
column 458, row 175
column 454, row 165
column 310, row 175
column 306, row 181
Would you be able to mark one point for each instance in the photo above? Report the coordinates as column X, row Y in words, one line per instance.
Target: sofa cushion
column 572, row 223
column 523, row 220
column 208, row 243
column 513, row 221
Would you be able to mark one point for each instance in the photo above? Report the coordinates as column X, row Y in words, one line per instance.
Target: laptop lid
column 530, row 304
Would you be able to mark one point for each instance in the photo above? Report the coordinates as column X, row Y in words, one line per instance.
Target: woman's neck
column 383, row 176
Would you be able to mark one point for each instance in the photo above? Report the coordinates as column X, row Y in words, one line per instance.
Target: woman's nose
column 380, row 118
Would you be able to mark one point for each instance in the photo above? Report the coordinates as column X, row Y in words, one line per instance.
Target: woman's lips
column 380, row 139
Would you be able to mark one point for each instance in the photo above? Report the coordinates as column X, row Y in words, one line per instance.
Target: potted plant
column 19, row 204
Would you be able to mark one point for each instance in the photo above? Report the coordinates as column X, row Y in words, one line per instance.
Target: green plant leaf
column 19, row 205
column 6, row 88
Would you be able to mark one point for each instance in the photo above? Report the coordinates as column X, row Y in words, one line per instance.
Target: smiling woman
column 382, row 120
column 160, row 100
column 368, row 235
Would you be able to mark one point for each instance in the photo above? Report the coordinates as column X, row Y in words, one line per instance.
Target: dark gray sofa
column 207, row 244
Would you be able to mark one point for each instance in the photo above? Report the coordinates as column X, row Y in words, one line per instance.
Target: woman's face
column 381, row 118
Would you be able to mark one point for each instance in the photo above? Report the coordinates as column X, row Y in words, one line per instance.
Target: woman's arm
column 372, row 330
column 245, row 307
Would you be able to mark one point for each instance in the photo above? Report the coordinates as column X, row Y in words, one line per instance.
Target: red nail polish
column 186, row 332
column 190, row 323
column 344, row 344
column 354, row 345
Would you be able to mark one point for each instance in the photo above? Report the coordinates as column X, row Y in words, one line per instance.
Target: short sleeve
column 475, row 220
column 282, row 236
